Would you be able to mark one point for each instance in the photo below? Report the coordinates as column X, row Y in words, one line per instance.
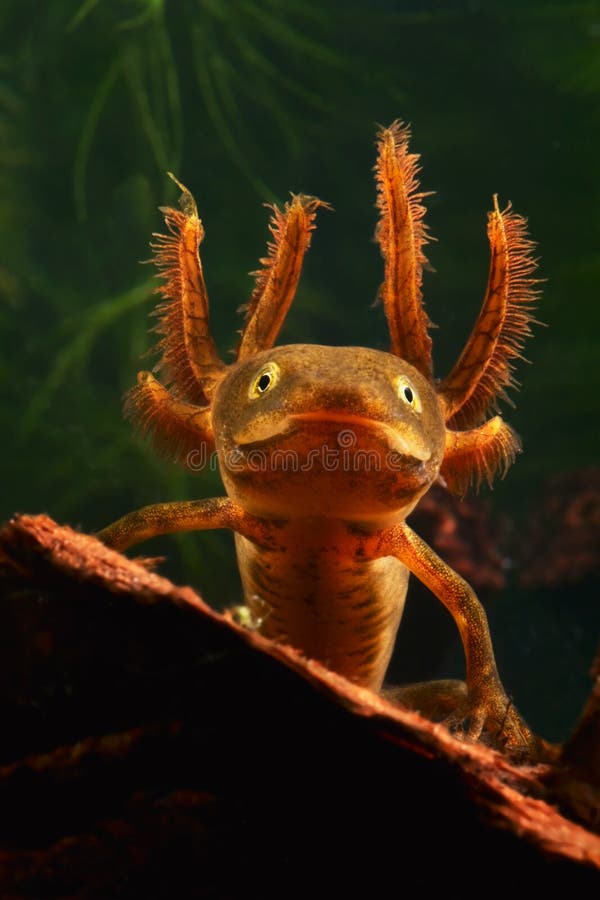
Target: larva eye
column 407, row 393
column 264, row 381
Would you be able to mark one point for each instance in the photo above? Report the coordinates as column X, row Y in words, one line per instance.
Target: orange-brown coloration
column 325, row 451
column 277, row 281
column 401, row 234
column 484, row 369
column 477, row 455
column 176, row 426
column 188, row 353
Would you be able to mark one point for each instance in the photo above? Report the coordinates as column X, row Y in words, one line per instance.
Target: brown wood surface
column 153, row 748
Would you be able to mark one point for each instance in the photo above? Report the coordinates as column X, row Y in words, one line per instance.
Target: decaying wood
column 152, row 747
column 577, row 780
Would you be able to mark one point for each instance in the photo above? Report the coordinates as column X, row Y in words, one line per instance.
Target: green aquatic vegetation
column 142, row 62
column 234, row 52
column 76, row 350
column 92, row 102
column 237, row 50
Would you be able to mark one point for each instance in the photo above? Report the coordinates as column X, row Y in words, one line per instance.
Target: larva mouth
column 352, row 431
column 397, row 440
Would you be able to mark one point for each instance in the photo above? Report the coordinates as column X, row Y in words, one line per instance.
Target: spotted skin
column 325, row 451
column 343, row 612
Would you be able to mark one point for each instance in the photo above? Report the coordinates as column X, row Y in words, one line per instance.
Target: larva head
column 307, row 430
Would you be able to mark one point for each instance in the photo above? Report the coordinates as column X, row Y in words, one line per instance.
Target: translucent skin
column 325, row 451
column 332, row 452
column 321, row 471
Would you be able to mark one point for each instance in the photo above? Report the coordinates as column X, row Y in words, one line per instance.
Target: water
column 245, row 103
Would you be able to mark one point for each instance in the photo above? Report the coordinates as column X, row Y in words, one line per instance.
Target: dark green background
column 246, row 101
